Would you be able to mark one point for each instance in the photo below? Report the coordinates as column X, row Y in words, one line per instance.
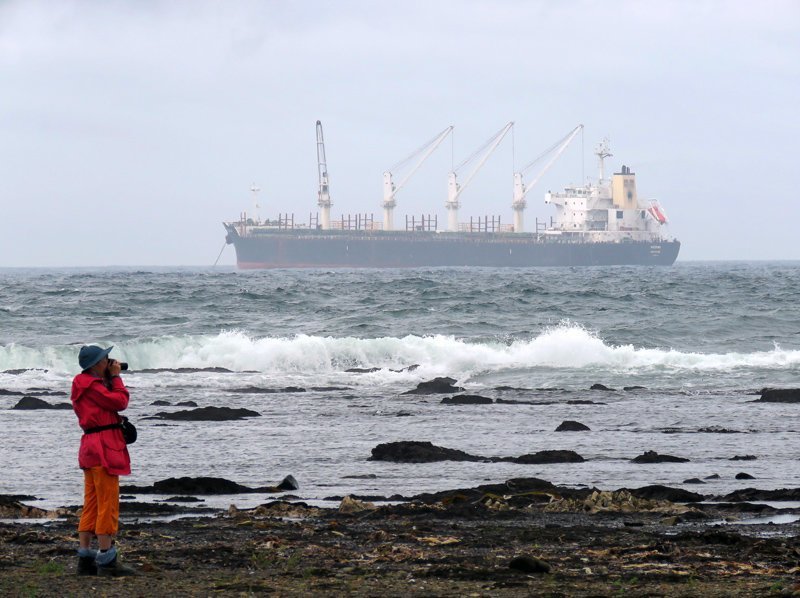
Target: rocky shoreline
column 522, row 537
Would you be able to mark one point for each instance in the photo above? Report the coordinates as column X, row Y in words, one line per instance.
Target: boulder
column 693, row 481
column 659, row 492
column 29, row 402
column 435, row 386
column 572, row 426
column 754, row 494
column 780, row 395
column 654, row 457
column 412, row 451
column 187, row 404
column 467, row 400
column 529, row 564
column 548, row 457
column 353, row 505
column 206, row 486
column 161, row 403
column 600, row 387
column 743, row 458
column 266, row 391
column 744, row 476
column 215, row 414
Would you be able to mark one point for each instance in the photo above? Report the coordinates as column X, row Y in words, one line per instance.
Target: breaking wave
column 564, row 346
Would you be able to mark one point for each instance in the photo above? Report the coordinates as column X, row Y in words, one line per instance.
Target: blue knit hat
column 91, row 354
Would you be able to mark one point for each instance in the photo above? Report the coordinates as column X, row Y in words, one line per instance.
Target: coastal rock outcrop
column 206, row 486
column 659, row 492
column 779, row 395
column 552, row 456
column 440, row 385
column 654, row 457
column 28, row 402
column 569, row 425
column 214, row 414
column 414, row 451
column 467, row 400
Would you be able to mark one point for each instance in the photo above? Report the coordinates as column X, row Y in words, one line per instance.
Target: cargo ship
column 601, row 223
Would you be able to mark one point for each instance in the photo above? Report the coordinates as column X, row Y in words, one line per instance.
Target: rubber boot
column 108, row 565
column 86, row 565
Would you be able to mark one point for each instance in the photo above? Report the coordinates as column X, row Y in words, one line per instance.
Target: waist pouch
column 128, row 430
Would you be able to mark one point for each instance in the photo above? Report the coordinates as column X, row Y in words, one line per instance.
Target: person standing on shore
column 98, row 394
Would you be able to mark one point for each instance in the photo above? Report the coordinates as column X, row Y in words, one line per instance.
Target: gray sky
column 129, row 130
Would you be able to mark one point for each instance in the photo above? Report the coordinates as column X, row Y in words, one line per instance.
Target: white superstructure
column 608, row 210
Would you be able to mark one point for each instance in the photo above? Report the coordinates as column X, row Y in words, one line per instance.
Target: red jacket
column 96, row 405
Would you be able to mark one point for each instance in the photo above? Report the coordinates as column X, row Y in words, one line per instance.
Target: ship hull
column 360, row 249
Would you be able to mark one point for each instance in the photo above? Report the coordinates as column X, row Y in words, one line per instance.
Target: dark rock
column 744, row 476
column 753, row 494
column 713, row 476
column 403, row 414
column 28, row 402
column 600, row 387
column 182, row 499
column 780, row 395
column 362, row 370
column 633, row 388
column 659, row 492
column 216, row 414
column 161, row 403
column 266, row 391
column 206, row 486
column 10, row 393
column 529, row 564
column 188, row 485
column 693, row 481
column 187, row 404
column 409, row 368
column 548, row 457
column 743, row 458
column 288, row 483
column 413, row 451
column 467, row 400
column 215, row 370
column 363, row 476
column 159, row 508
column 329, row 388
column 435, row 386
column 717, row 430
column 569, row 425
column 654, row 457
column 515, row 402
column 583, row 402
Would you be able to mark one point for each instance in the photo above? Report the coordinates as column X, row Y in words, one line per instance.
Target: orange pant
column 100, row 502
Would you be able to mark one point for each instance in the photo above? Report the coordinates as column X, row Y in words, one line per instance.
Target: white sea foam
column 564, row 346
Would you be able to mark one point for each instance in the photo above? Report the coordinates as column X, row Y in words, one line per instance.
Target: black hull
column 359, row 249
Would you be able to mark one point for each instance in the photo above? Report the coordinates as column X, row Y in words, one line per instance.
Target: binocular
column 122, row 365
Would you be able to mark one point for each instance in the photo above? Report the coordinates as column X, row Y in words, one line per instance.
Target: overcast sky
column 129, row 130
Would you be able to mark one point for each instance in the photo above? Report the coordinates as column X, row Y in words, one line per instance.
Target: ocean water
column 700, row 339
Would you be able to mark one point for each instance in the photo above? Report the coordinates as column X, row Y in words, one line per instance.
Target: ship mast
column 324, row 196
column 454, row 190
column 521, row 190
column 602, row 152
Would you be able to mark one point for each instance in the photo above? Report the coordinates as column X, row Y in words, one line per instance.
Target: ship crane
column 324, row 196
column 521, row 190
column 389, row 188
column 454, row 190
